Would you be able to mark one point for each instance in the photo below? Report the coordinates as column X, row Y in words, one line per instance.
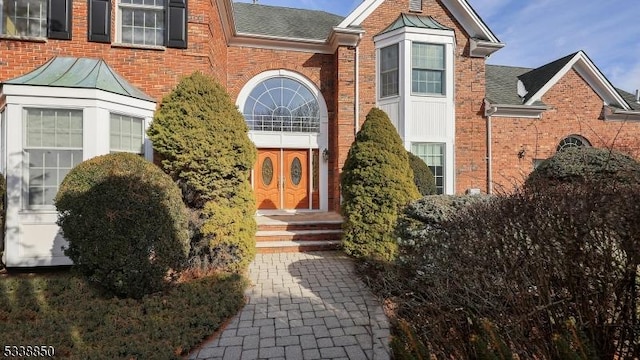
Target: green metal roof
column 84, row 73
column 283, row 22
column 415, row 21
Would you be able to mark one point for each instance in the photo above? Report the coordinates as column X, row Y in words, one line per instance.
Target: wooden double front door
column 281, row 179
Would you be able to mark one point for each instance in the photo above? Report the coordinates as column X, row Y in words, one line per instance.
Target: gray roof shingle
column 283, row 22
column 502, row 84
column 535, row 79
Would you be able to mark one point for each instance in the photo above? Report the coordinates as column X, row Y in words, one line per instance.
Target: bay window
column 389, row 66
column 433, row 154
column 126, row 134
column 428, row 69
column 53, row 145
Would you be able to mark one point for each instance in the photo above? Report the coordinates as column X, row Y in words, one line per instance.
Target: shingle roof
column 283, row 22
column 535, row 79
column 629, row 98
column 502, row 84
column 70, row 72
column 415, row 21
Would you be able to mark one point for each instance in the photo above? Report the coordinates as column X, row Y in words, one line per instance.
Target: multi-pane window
column 142, row 22
column 126, row 134
column 389, row 71
column 284, row 105
column 572, row 141
column 428, row 68
column 23, row 17
column 433, row 154
column 53, row 143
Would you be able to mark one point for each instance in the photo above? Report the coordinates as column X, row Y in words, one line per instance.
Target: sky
column 537, row 32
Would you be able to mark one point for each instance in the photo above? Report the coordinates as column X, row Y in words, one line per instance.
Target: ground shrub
column 64, row 311
column 580, row 164
column 549, row 275
column 202, row 141
column 125, row 223
column 377, row 182
column 422, row 175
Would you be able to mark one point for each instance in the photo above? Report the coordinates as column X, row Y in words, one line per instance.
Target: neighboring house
column 82, row 78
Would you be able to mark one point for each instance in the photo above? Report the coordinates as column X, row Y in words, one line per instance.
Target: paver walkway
column 304, row 306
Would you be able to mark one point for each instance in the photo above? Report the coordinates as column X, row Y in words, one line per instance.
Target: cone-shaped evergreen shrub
column 584, row 164
column 202, row 140
column 377, row 182
column 422, row 175
column 125, row 223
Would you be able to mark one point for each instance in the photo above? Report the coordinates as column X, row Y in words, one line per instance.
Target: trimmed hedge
column 581, row 164
column 125, row 223
column 377, row 182
column 203, row 143
column 422, row 175
column 3, row 192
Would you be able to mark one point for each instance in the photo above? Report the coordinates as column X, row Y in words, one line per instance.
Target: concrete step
column 296, row 246
column 298, row 235
column 299, row 225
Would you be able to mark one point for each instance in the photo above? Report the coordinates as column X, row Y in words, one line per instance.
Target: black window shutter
column 59, row 19
column 176, row 24
column 100, row 21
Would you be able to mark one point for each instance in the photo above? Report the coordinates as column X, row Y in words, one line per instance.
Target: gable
column 460, row 9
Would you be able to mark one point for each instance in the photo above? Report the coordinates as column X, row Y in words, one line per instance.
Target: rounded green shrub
column 377, row 182
column 422, row 175
column 584, row 164
column 203, row 143
column 125, row 223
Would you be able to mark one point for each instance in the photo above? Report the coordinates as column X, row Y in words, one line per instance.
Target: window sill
column 23, row 38
column 137, row 46
column 434, row 95
column 389, row 97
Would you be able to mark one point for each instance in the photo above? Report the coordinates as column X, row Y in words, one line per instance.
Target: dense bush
column 377, row 182
column 3, row 209
column 125, row 223
column 549, row 275
column 422, row 218
column 580, row 164
column 202, row 142
column 422, row 175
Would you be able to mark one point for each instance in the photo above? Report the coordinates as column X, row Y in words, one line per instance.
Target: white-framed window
column 389, row 71
column 282, row 104
column 428, row 68
column 142, row 22
column 126, row 134
column 433, row 154
column 572, row 141
column 23, row 18
column 53, row 146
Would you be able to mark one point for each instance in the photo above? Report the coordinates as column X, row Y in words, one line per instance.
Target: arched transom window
column 282, row 104
column 572, row 141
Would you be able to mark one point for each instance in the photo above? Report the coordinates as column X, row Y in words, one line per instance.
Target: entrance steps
column 298, row 232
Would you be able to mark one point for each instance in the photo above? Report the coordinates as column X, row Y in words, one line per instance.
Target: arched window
column 282, row 104
column 572, row 141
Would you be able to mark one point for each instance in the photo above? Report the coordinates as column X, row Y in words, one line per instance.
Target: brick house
column 82, row 78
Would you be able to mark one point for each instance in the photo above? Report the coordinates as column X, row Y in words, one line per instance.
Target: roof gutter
column 517, row 111
column 612, row 114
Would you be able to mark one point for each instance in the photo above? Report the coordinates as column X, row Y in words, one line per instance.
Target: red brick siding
column 575, row 110
column 469, row 88
column 154, row 71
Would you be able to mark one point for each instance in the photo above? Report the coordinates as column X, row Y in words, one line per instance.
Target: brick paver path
column 304, row 306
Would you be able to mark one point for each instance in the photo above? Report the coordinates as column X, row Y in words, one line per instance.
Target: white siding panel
column 428, row 120
column 393, row 110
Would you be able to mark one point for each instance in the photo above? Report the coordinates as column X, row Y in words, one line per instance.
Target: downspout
column 488, row 112
column 357, row 90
